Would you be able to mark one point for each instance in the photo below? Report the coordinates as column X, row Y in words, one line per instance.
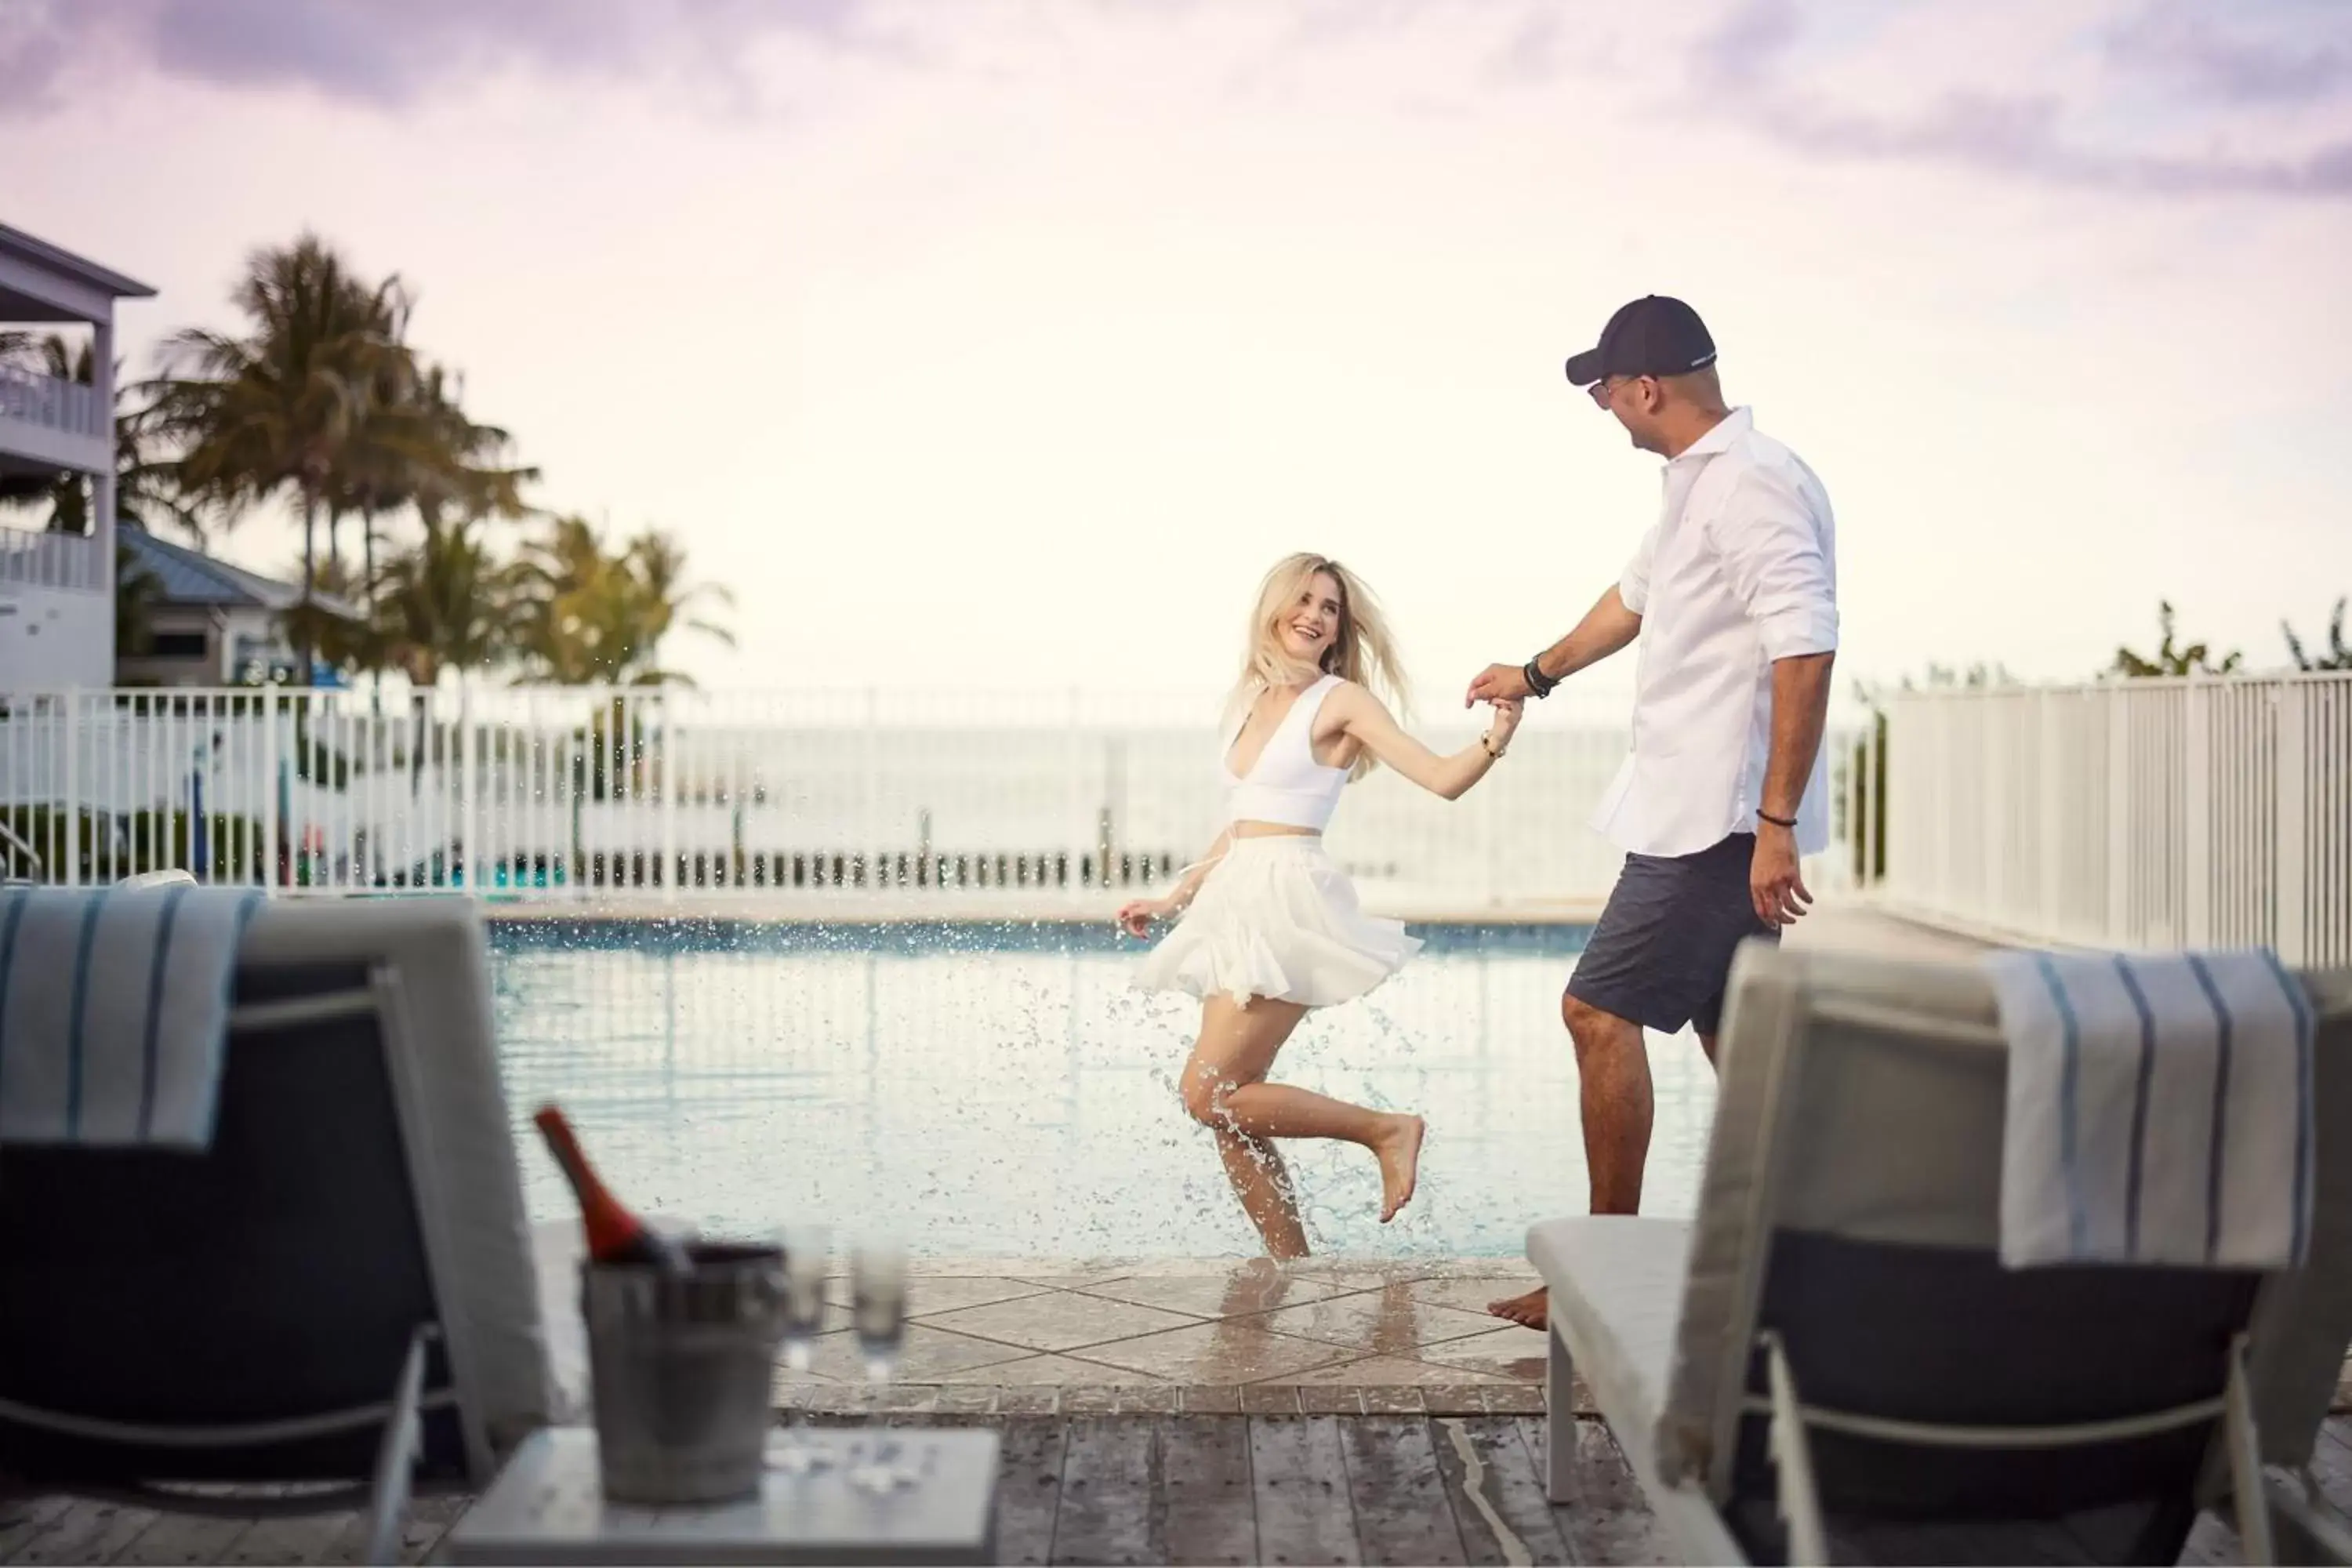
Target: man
column 1733, row 597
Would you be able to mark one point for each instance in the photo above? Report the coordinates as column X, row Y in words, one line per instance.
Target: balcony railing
column 46, row 402
column 50, row 560
column 2131, row 813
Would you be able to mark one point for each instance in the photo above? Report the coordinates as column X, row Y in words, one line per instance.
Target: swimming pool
column 997, row 1090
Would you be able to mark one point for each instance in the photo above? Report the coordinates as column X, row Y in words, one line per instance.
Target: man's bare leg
column 1612, row 1066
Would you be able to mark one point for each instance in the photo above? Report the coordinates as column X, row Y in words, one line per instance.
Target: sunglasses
column 1604, row 391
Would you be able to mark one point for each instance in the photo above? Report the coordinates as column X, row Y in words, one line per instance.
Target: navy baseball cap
column 1653, row 336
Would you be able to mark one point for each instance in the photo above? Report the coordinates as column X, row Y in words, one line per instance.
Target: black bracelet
column 1788, row 822
column 1539, row 683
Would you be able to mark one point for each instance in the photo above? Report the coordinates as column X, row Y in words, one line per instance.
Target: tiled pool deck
column 1324, row 1335
column 1030, row 1336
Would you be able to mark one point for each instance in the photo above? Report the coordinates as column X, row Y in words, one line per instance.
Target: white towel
column 114, row 1012
column 2159, row 1110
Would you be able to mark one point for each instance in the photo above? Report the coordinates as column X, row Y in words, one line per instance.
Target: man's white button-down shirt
column 1740, row 570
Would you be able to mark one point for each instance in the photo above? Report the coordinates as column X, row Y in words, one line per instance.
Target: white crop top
column 1286, row 785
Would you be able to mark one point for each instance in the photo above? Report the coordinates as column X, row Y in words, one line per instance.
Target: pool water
column 1000, row 1091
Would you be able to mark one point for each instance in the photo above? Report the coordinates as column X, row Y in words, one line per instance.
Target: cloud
column 390, row 54
column 1747, row 67
column 2185, row 47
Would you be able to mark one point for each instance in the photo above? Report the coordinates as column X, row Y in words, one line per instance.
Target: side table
column 547, row 1507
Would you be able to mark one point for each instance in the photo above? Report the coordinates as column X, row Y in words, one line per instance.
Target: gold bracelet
column 1484, row 745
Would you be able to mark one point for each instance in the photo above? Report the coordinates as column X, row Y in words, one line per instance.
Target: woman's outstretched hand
column 1135, row 916
column 1507, row 712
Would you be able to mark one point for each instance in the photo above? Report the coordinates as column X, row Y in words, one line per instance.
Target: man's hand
column 1498, row 683
column 1773, row 880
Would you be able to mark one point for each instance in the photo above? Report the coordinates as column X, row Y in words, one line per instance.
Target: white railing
column 554, row 793
column 43, row 560
column 51, row 403
column 2139, row 814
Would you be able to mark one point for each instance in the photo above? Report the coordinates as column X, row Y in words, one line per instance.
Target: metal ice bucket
column 681, row 1368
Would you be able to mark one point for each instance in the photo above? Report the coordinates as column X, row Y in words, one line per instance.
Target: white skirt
column 1275, row 918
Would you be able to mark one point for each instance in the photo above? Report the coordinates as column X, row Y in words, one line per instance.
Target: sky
column 1007, row 342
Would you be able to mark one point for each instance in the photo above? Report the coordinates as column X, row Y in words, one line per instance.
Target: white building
column 209, row 623
column 56, row 590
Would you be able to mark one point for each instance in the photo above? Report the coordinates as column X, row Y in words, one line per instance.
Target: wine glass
column 878, row 1288
column 807, row 1253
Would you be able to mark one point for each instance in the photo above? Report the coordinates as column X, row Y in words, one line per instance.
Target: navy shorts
column 1661, row 953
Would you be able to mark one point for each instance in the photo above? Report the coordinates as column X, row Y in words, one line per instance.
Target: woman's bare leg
column 1225, row 1087
column 1261, row 1181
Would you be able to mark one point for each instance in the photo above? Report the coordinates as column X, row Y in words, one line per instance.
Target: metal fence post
column 666, row 725
column 2290, row 882
column 73, row 790
column 2119, row 819
column 2196, row 815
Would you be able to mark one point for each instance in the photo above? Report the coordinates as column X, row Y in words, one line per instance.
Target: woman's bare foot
column 1398, row 1149
column 1530, row 1311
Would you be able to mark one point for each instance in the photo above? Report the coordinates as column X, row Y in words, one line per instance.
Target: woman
column 1271, row 927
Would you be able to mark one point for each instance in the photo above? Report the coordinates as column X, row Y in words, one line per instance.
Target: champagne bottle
column 615, row 1234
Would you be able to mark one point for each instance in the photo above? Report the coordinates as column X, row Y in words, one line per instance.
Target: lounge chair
column 1829, row 1362
column 339, row 1291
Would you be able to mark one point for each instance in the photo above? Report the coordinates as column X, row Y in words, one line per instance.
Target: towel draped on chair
column 114, row 1009
column 2159, row 1110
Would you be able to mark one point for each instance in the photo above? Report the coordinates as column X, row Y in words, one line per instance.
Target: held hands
column 1135, row 916
column 1498, row 683
column 1773, row 880
column 1508, row 713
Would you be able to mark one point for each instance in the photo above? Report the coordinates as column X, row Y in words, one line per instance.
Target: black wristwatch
column 1539, row 683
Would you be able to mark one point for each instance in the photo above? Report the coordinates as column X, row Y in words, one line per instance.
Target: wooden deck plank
column 299, row 1539
column 1211, row 1510
column 1113, row 1501
column 429, row 1519
column 1496, row 1491
column 1300, row 1481
column 1190, row 1488
column 2211, row 1543
column 1608, row 1520
column 1403, row 1515
column 183, row 1537
column 24, row 1515
column 2331, row 1463
column 1028, row 1489
column 86, row 1531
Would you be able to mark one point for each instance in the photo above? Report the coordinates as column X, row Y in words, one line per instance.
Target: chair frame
column 2280, row 1513
column 387, row 1491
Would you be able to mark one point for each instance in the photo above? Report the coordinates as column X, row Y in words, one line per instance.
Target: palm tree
column 134, row 605
column 146, row 489
column 587, row 614
column 667, row 601
column 420, row 449
column 280, row 407
column 443, row 603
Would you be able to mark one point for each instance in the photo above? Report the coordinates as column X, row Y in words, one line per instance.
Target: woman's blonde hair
column 1364, row 651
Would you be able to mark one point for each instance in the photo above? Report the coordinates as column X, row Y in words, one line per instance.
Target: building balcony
column 72, row 562
column 45, row 422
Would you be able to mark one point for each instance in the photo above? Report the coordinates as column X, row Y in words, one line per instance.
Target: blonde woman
column 1270, row 927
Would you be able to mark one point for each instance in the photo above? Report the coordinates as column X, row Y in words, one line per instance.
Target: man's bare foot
column 1399, row 1152
column 1530, row 1311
